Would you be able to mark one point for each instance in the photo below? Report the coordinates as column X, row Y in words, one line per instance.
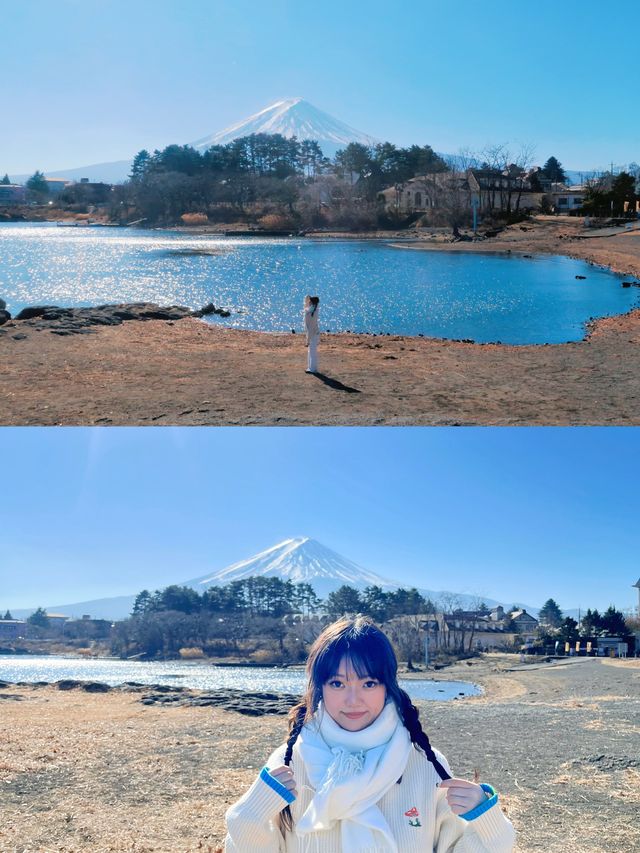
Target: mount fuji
column 300, row 560
column 289, row 117
column 292, row 117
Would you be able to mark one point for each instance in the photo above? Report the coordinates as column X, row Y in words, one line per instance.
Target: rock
column 582, row 277
column 210, row 308
column 19, row 337
column 67, row 321
column 67, row 684
column 95, row 687
column 3, row 305
column 32, row 311
column 4, row 316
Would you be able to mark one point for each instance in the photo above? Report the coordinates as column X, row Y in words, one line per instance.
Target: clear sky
column 91, row 81
column 513, row 514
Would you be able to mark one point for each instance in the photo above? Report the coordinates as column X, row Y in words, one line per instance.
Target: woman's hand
column 463, row 796
column 284, row 775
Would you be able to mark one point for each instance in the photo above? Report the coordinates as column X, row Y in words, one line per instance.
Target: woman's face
column 353, row 702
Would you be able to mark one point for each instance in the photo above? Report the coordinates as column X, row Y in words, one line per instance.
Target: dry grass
column 101, row 773
column 104, row 773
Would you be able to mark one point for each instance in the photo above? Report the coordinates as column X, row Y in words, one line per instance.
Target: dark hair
column 314, row 300
column 370, row 653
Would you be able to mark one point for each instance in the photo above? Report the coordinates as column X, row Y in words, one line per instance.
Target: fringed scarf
column 350, row 772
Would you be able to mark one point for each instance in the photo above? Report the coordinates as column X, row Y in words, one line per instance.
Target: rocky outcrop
column 76, row 321
column 255, row 704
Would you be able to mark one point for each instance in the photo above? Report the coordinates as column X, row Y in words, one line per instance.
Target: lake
column 364, row 286
column 194, row 674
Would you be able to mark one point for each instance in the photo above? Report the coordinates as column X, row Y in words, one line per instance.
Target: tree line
column 554, row 625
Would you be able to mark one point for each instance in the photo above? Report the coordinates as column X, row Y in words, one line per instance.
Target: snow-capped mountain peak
column 291, row 117
column 300, row 560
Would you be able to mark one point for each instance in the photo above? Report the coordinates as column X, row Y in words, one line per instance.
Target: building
column 12, row 629
column 57, row 185
column 12, row 194
column 524, row 622
column 567, row 199
column 489, row 190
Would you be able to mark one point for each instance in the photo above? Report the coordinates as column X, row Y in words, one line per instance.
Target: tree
column 568, row 632
column 141, row 163
column 143, row 603
column 553, row 171
column 39, row 618
column 591, row 623
column 345, row 600
column 37, row 184
column 5, row 180
column 550, row 614
column 613, row 623
column 375, row 603
column 405, row 632
column 182, row 599
column 7, row 615
column 354, row 160
column 623, row 192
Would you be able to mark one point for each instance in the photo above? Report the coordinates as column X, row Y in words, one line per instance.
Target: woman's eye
column 371, row 683
column 334, row 683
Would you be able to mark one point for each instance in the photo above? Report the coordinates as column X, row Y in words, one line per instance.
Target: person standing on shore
column 312, row 330
column 357, row 773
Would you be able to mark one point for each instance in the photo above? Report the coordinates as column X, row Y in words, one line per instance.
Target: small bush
column 194, row 219
column 275, row 222
column 265, row 657
column 85, row 653
column 191, row 653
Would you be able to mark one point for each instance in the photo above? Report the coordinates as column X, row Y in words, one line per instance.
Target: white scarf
column 350, row 772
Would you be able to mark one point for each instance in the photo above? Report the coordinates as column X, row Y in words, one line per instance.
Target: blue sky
column 513, row 514
column 89, row 81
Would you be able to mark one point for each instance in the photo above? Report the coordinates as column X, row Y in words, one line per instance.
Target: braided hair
column 370, row 653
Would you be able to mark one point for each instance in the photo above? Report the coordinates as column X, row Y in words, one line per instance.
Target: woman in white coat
column 312, row 330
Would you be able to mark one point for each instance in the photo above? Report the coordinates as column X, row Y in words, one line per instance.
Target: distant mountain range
column 289, row 117
column 300, row 560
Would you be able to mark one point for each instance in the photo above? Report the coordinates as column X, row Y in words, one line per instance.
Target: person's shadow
column 335, row 384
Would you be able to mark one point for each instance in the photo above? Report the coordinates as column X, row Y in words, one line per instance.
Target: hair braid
column 411, row 719
column 296, row 720
column 297, row 716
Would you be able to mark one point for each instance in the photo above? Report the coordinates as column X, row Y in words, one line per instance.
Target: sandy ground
column 83, row 772
column 187, row 372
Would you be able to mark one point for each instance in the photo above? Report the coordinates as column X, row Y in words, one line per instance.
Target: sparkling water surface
column 195, row 675
column 363, row 286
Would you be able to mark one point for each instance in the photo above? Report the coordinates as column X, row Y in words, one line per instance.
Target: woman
column 357, row 773
column 313, row 331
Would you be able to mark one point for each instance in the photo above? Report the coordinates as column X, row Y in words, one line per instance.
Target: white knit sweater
column 430, row 825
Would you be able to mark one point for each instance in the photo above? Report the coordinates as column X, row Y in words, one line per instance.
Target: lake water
column 363, row 286
column 195, row 675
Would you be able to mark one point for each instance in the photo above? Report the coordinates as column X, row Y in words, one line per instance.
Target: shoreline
column 186, row 372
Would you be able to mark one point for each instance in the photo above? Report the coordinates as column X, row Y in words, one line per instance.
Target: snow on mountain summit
column 291, row 117
column 300, row 560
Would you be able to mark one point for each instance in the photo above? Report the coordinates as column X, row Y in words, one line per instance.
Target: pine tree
column 5, row 180
column 39, row 618
column 550, row 614
column 37, row 184
column 553, row 171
